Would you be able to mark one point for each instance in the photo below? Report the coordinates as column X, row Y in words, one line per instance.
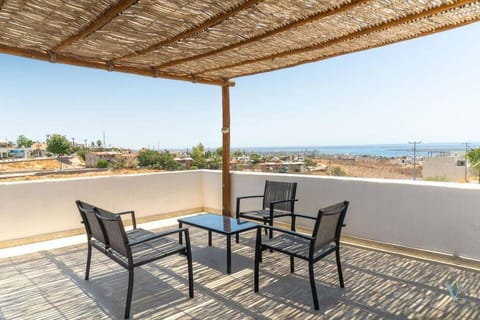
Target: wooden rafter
column 422, row 34
column 287, row 27
column 205, row 25
column 1, row 4
column 362, row 32
column 52, row 57
column 101, row 21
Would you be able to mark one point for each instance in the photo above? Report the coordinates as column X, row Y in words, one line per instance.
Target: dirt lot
column 366, row 168
column 359, row 167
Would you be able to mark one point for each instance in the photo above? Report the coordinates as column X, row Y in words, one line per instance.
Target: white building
column 449, row 167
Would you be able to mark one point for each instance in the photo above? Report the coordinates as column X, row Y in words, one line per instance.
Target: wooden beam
column 226, row 186
column 27, row 53
column 365, row 31
column 294, row 24
column 1, row 4
column 423, row 34
column 205, row 25
column 98, row 23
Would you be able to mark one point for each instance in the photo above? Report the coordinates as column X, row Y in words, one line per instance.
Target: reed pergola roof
column 210, row 41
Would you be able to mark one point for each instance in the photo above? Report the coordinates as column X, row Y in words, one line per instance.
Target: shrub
column 337, row 171
column 102, row 163
column 81, row 154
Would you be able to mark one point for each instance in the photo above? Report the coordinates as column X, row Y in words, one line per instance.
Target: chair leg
column 129, row 293
column 190, row 273
column 188, row 252
column 312, row 285
column 292, row 265
column 89, row 260
column 258, row 256
column 265, row 223
column 339, row 267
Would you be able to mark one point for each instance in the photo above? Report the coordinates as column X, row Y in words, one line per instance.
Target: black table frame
column 247, row 226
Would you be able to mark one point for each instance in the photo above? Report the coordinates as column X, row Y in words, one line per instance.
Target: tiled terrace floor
column 50, row 285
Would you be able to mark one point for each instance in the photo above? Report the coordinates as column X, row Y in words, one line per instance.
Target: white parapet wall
column 440, row 217
column 33, row 208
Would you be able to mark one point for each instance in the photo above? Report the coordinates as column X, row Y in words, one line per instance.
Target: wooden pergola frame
column 212, row 42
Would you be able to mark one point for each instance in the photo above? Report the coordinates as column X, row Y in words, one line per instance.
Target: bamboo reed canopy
column 210, row 41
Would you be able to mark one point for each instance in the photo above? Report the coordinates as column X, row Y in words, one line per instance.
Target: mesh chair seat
column 297, row 246
column 264, row 214
column 154, row 249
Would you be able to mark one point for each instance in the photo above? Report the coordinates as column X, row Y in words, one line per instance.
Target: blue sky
column 426, row 89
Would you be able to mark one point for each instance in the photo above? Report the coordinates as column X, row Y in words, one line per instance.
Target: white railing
column 442, row 217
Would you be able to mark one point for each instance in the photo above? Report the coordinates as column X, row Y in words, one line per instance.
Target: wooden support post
column 226, row 188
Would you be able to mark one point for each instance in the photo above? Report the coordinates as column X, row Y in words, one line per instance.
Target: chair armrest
column 248, row 197
column 134, row 221
column 157, row 235
column 293, row 233
column 273, row 203
column 304, row 216
column 244, row 197
column 282, row 201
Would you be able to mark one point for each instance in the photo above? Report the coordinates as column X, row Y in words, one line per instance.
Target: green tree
column 99, row 143
column 255, row 158
column 237, row 153
column 473, row 157
column 23, row 141
column 155, row 159
column 58, row 144
column 167, row 161
column 148, row 158
column 198, row 156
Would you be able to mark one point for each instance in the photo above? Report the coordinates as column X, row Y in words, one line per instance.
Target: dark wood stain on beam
column 75, row 61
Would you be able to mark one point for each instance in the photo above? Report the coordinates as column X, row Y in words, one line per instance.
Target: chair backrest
column 279, row 190
column 329, row 224
column 92, row 226
column 114, row 231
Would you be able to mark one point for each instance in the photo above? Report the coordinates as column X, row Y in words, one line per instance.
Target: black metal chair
column 325, row 239
column 130, row 249
column 278, row 201
column 95, row 236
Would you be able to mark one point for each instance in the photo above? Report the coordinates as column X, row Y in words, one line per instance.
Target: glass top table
column 219, row 224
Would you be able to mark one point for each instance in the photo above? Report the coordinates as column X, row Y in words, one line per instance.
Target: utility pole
column 414, row 157
column 466, row 162
column 104, row 139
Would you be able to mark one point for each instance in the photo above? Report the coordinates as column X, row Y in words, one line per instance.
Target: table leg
column 237, row 238
column 209, row 238
column 229, row 254
column 180, row 233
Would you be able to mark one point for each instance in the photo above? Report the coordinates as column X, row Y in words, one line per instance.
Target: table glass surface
column 218, row 223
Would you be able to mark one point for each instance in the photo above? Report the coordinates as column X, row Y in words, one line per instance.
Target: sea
column 375, row 150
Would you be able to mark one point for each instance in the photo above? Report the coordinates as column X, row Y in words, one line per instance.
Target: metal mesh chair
column 130, row 249
column 95, row 236
column 325, row 239
column 278, row 201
